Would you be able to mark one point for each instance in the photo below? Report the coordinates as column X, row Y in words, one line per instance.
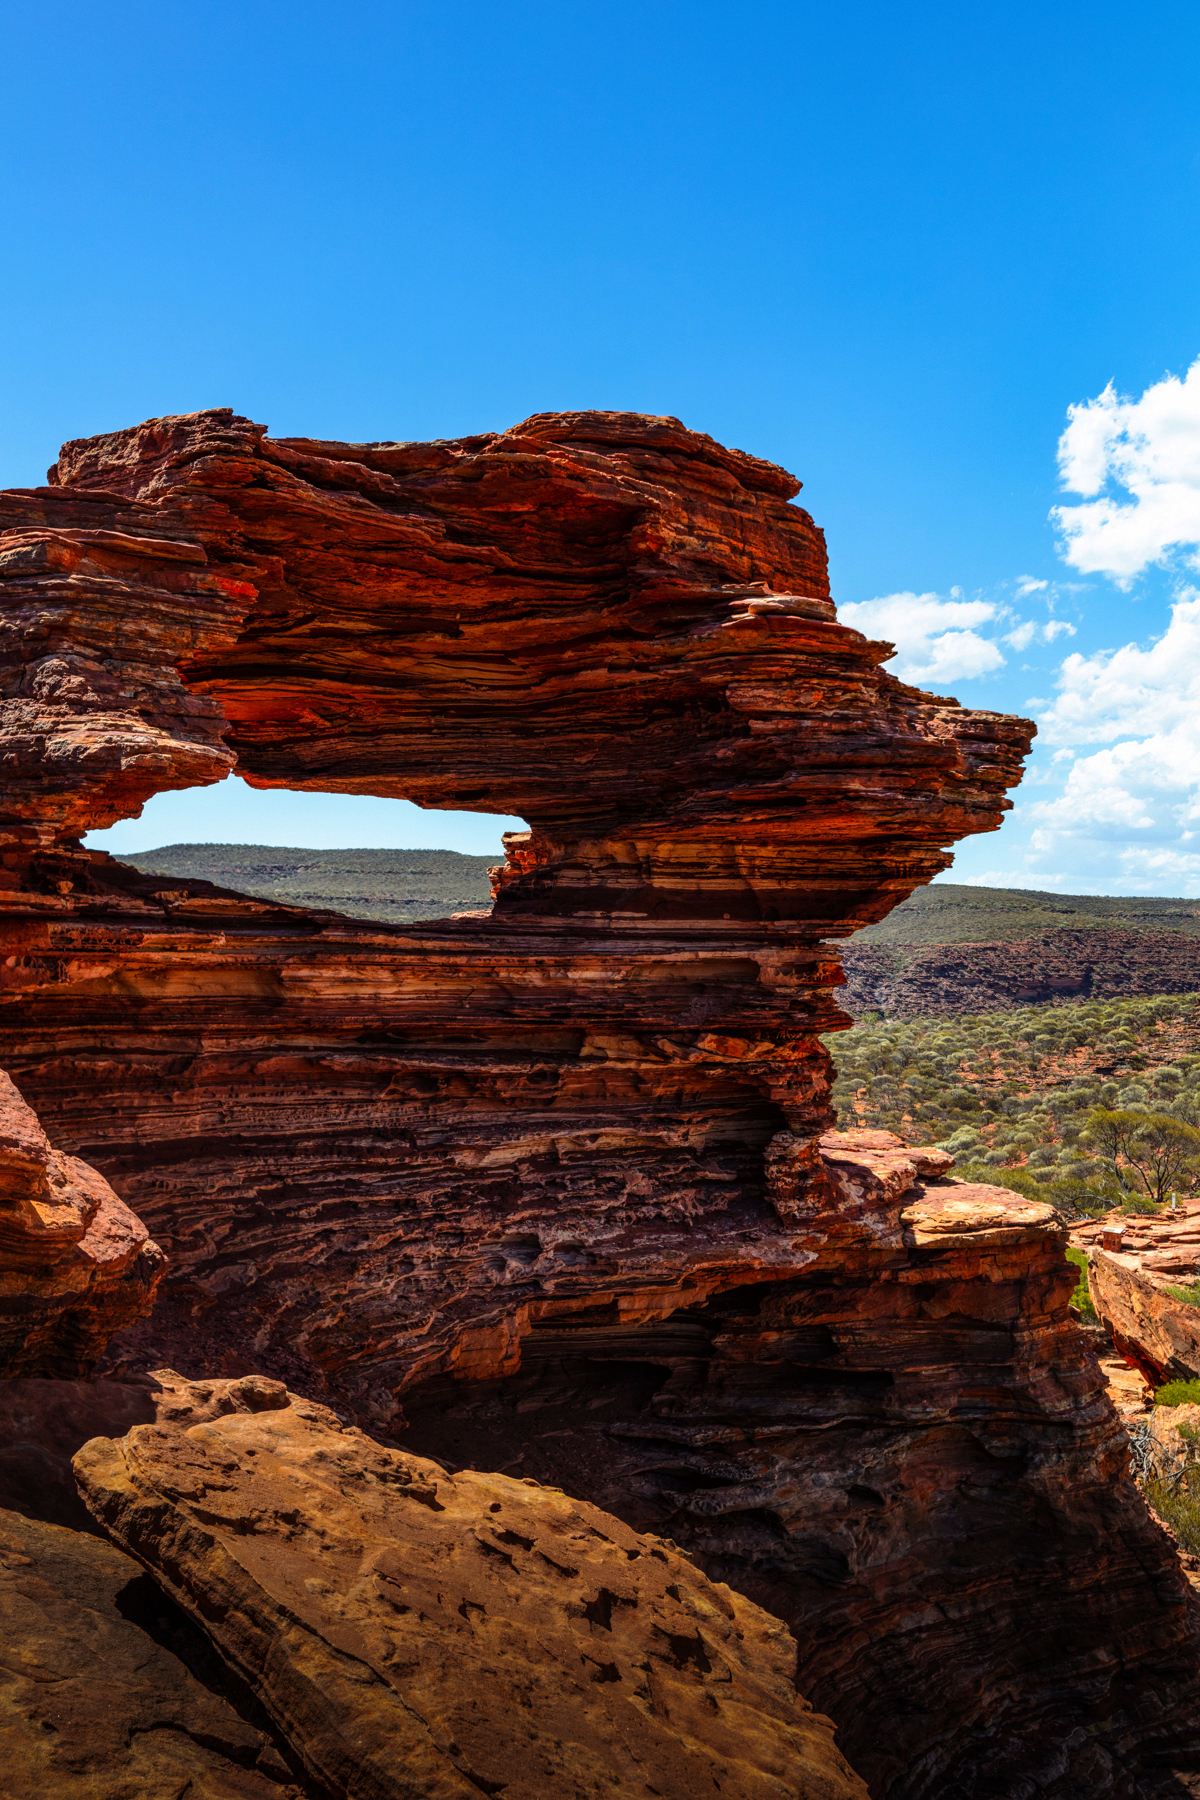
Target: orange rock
column 1158, row 1334
column 412, row 1632
column 76, row 1264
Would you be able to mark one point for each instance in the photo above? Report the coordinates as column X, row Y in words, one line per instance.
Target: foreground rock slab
column 99, row 1694
column 417, row 1634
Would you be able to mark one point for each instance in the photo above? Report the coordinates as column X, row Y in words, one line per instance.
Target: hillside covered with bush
column 1010, row 1093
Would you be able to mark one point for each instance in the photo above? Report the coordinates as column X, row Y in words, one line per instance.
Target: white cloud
column 1131, row 691
column 1127, row 816
column 1150, row 449
column 945, row 639
column 936, row 639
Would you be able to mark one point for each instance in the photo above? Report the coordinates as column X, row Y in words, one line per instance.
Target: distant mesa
column 951, row 949
column 396, row 886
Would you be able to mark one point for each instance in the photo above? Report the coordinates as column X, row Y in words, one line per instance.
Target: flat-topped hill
column 394, row 885
column 948, row 913
column 953, row 949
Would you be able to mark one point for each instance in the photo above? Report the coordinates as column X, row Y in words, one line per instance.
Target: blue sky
column 889, row 248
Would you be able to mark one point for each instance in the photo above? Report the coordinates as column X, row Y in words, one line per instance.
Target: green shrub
column 1190, row 1295
column 1016, row 1181
column 1177, row 1506
column 1081, row 1299
column 1138, row 1203
column 1178, row 1393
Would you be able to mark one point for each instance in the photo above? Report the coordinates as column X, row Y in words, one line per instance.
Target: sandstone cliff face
column 76, row 1265
column 581, row 1133
column 378, row 1154
column 1154, row 1331
column 907, row 1453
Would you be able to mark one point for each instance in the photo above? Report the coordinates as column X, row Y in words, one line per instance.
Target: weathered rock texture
column 1157, row 1333
column 75, row 1263
column 417, row 1635
column 377, row 1154
column 907, row 1454
column 582, row 1132
column 108, row 1692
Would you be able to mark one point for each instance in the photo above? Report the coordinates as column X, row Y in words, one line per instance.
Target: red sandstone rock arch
column 609, row 624
column 385, row 1156
column 612, row 626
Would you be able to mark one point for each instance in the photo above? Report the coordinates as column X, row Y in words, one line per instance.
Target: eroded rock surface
column 107, row 1692
column 417, row 1634
column 373, row 1154
column 908, row 1453
column 76, row 1265
column 1155, row 1332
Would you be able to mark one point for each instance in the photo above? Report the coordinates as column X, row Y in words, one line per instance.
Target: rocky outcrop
column 76, row 1265
column 108, row 1692
column 908, row 1446
column 941, row 981
column 1155, row 1332
column 372, row 1154
column 573, row 1148
column 414, row 1633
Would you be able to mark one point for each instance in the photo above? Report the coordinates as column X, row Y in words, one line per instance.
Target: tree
column 1160, row 1152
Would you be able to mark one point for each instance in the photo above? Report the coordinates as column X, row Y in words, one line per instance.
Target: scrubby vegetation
column 1028, row 1098
column 1178, row 1393
column 1081, row 1299
column 398, row 886
column 1178, row 1507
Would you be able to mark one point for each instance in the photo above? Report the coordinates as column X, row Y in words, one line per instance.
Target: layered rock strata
column 416, row 1635
column 375, row 1155
column 906, row 1452
column 1155, row 1331
column 404, row 1166
column 76, row 1265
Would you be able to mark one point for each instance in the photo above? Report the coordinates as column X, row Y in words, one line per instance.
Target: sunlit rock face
column 586, row 1126
column 1151, row 1327
column 411, row 1632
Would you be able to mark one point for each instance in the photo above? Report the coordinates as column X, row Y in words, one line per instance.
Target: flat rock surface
column 417, row 1634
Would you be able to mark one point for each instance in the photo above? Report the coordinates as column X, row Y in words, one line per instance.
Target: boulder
column 421, row 1636
column 1156, row 1332
column 107, row 1692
